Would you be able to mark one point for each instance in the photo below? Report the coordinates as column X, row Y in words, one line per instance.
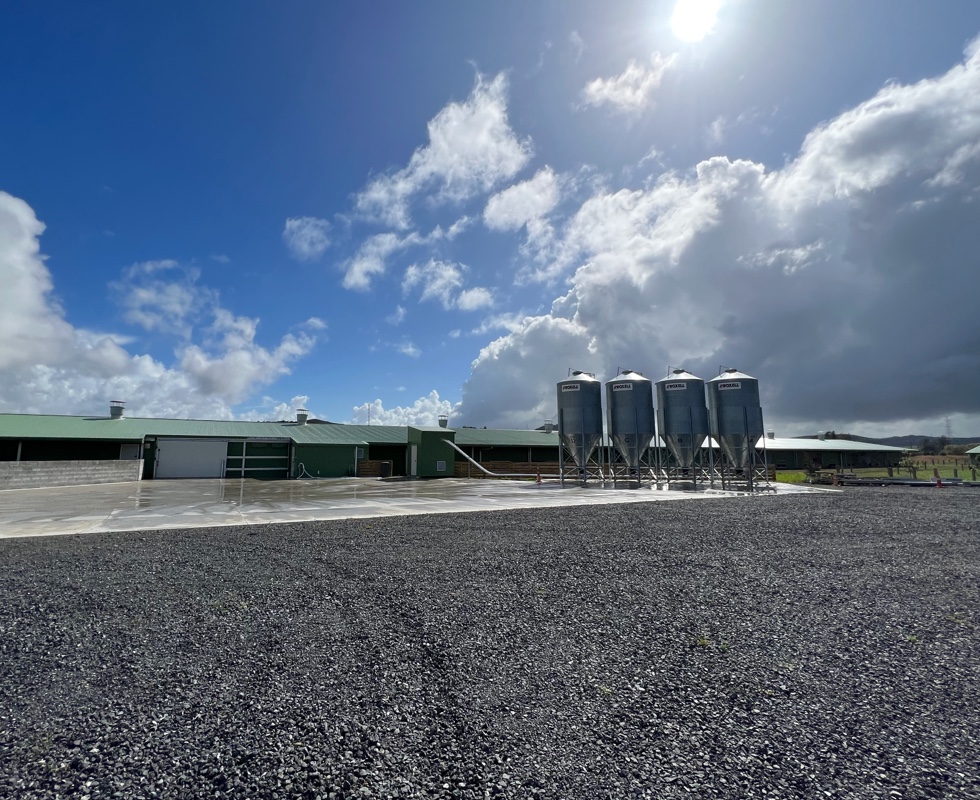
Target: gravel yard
column 795, row 647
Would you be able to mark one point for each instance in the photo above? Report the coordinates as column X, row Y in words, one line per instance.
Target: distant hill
column 915, row 441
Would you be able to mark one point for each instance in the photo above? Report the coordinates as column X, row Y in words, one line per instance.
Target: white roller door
column 190, row 458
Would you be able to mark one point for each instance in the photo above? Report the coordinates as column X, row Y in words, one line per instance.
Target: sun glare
column 694, row 19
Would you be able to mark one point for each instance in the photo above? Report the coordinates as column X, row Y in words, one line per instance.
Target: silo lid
column 578, row 375
column 732, row 375
column 679, row 375
column 628, row 374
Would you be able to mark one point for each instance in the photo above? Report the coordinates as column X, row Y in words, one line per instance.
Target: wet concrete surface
column 149, row 505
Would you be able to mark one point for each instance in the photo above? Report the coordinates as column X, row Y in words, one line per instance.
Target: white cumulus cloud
column 371, row 259
column 272, row 410
column 523, row 203
column 407, row 348
column 424, row 411
column 632, row 90
column 842, row 279
column 443, row 281
column 306, row 237
column 162, row 296
column 32, row 325
column 471, row 149
column 473, row 299
column 397, row 317
column 232, row 363
column 49, row 366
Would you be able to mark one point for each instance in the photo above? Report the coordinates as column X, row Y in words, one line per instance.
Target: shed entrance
column 190, row 458
column 264, row 459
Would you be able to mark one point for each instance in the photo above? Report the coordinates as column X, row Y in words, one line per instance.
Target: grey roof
column 833, row 445
column 823, row 445
column 975, row 450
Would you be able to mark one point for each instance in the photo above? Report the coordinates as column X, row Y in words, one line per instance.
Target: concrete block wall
column 35, row 474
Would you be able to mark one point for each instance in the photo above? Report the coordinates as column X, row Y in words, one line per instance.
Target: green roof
column 345, row 434
column 135, row 429
column 131, row 429
column 974, row 450
column 505, row 438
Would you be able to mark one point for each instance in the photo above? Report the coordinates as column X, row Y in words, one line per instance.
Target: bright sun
column 694, row 19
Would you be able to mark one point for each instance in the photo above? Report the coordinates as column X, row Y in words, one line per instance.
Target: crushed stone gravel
column 798, row 646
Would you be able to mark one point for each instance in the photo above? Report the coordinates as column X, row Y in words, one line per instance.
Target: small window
column 440, row 466
column 358, row 452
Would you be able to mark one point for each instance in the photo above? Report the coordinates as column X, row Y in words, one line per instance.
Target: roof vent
column 117, row 408
column 821, row 435
column 443, row 421
column 770, row 434
column 301, row 416
column 549, row 426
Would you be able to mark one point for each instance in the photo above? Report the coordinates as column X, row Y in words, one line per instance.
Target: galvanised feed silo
column 632, row 422
column 580, row 421
column 735, row 416
column 682, row 416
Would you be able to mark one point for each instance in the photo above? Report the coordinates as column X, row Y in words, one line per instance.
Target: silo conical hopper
column 632, row 423
column 735, row 415
column 682, row 416
column 580, row 416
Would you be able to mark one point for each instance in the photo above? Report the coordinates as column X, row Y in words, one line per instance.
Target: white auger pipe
column 484, row 470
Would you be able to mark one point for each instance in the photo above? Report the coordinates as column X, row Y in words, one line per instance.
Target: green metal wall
column 432, row 449
column 324, row 460
column 260, row 460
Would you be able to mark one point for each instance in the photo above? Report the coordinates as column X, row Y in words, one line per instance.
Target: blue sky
column 231, row 209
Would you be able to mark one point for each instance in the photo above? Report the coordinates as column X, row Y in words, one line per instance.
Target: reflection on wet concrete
column 145, row 505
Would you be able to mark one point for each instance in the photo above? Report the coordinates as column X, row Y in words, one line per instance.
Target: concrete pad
column 147, row 505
